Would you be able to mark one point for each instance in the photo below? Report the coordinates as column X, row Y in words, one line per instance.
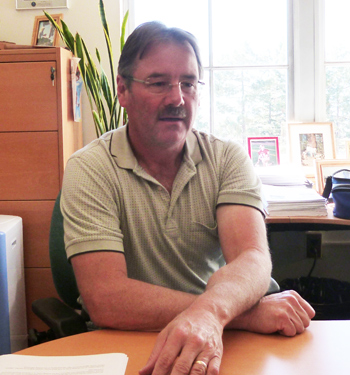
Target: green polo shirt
column 110, row 203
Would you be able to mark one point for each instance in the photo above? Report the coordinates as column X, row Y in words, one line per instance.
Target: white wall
column 82, row 16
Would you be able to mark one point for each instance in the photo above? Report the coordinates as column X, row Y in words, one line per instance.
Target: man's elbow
column 105, row 318
column 106, row 314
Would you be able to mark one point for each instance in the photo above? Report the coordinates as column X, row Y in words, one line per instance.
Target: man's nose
column 175, row 95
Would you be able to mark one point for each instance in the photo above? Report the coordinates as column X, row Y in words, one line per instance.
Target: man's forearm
column 116, row 301
column 139, row 306
column 237, row 286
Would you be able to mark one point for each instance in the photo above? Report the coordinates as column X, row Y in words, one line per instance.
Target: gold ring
column 202, row 363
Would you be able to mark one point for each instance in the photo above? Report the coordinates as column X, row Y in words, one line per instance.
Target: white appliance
column 13, row 321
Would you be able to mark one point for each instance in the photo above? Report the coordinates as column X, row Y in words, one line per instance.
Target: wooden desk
column 321, row 350
column 304, row 223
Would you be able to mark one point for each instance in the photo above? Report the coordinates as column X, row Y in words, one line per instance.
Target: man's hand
column 285, row 312
column 190, row 344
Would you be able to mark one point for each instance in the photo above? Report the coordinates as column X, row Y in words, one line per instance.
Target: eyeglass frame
column 169, row 87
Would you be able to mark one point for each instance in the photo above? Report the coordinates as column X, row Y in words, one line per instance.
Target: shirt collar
column 123, row 155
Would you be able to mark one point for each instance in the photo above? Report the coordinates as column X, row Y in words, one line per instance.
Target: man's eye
column 159, row 84
column 187, row 85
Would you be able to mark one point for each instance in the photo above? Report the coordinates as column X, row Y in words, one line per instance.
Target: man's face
column 161, row 120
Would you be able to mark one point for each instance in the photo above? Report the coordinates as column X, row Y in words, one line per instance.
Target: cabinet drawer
column 39, row 284
column 29, row 166
column 36, row 218
column 28, row 100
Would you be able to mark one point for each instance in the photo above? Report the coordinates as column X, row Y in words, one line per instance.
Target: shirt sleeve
column 90, row 206
column 239, row 182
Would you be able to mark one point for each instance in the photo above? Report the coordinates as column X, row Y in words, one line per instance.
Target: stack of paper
column 282, row 176
column 293, row 201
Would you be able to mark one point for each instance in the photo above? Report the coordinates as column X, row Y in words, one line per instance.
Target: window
column 244, row 47
column 267, row 62
column 337, row 69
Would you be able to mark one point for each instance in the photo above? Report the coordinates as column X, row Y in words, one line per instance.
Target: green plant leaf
column 98, row 55
column 108, row 43
column 68, row 36
column 103, row 17
column 93, row 86
column 106, row 89
column 125, row 117
column 101, row 94
column 123, row 29
column 113, row 121
column 98, row 125
column 67, row 39
column 80, row 53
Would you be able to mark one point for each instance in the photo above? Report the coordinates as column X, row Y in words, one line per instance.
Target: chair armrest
column 273, row 288
column 63, row 320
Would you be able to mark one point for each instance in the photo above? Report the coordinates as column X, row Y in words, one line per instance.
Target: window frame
column 306, row 96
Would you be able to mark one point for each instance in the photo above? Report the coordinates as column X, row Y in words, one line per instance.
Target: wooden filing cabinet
column 37, row 136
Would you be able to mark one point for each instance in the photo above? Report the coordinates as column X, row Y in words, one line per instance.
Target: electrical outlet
column 313, row 245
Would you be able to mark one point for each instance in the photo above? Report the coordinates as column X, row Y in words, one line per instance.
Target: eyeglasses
column 162, row 86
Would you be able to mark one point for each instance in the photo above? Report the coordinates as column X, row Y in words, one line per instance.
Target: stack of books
column 286, row 192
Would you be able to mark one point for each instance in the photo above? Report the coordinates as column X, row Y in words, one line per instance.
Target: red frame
column 264, row 140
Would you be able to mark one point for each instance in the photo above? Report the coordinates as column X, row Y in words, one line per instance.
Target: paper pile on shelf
column 282, row 176
column 293, row 201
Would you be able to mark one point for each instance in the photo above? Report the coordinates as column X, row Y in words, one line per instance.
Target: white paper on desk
column 106, row 364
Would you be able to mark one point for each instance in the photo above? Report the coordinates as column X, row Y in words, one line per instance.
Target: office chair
column 66, row 317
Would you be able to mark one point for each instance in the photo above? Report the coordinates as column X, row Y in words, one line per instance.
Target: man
column 164, row 225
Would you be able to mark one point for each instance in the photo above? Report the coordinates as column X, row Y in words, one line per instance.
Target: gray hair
column 146, row 35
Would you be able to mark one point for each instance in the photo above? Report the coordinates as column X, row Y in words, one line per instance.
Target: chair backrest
column 62, row 270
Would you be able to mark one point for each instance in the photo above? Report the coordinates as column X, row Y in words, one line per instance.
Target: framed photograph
column 309, row 142
column 347, row 149
column 325, row 168
column 264, row 151
column 44, row 34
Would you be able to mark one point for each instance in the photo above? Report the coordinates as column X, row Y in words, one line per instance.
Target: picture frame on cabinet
column 326, row 168
column 44, row 33
column 309, row 142
column 264, row 151
column 347, row 149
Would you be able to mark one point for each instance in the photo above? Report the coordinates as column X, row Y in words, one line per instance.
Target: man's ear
column 121, row 90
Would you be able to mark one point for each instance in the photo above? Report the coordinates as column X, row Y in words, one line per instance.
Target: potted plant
column 106, row 110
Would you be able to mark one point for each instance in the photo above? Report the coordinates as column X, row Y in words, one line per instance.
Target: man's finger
column 214, row 366
column 158, row 347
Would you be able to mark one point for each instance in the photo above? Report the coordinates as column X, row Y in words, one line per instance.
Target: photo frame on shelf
column 347, row 148
column 309, row 142
column 44, row 33
column 327, row 167
column 264, row 151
